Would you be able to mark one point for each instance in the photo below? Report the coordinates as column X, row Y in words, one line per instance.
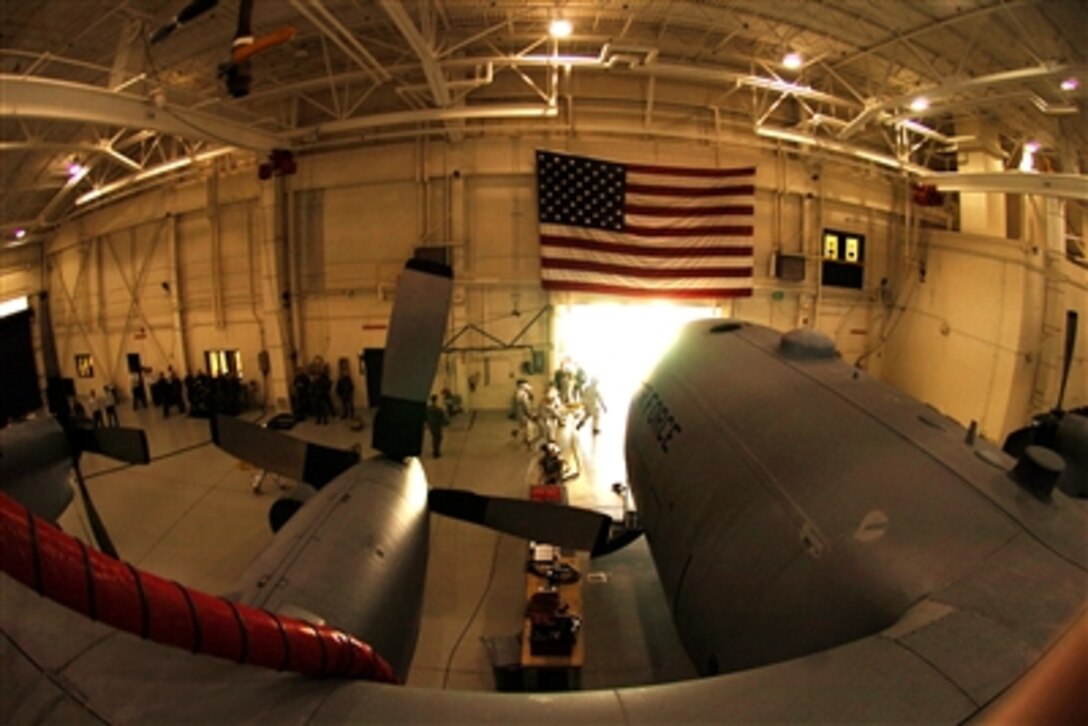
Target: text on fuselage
column 658, row 417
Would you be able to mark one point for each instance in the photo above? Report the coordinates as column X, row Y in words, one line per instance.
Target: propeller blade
column 281, row 454
column 164, row 32
column 35, row 460
column 123, row 444
column 416, row 331
column 101, row 536
column 572, row 527
column 1067, row 361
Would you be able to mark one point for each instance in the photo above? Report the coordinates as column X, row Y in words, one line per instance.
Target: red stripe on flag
column 732, row 231
column 699, row 293
column 555, row 263
column 649, row 211
column 663, row 191
column 650, row 251
column 703, row 173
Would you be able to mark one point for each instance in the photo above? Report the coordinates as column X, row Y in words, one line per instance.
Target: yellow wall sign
column 84, row 365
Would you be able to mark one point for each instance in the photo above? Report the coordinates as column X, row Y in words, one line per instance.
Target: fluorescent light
column 785, row 135
column 165, row 168
column 1070, row 84
column 919, row 104
column 560, row 28
column 1027, row 158
column 793, row 61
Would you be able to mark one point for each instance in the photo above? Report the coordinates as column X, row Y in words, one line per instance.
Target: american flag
column 643, row 230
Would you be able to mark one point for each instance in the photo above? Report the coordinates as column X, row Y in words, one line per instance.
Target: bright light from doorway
column 619, row 343
column 14, row 305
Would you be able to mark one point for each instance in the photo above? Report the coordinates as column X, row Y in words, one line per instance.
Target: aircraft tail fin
column 281, row 454
column 573, row 527
column 416, row 332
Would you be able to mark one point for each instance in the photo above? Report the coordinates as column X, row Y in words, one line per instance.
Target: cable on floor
column 476, row 610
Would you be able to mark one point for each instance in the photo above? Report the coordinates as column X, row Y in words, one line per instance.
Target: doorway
column 619, row 342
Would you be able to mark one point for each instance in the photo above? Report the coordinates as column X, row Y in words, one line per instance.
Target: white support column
column 182, row 357
column 981, row 212
column 1052, row 316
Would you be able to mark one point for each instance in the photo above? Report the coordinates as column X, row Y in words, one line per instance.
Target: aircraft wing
column 944, row 661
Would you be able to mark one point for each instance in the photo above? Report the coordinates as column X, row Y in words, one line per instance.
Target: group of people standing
column 570, row 392
column 312, row 390
column 101, row 410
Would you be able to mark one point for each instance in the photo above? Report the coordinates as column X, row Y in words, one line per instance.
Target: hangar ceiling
column 92, row 110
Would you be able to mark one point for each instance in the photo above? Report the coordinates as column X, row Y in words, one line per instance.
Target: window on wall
column 223, row 363
column 844, row 259
column 84, row 365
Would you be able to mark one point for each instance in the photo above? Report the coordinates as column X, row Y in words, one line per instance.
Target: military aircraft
column 830, row 548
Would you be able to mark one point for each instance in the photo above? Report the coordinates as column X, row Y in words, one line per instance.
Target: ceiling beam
column 334, row 30
column 897, row 37
column 436, row 79
column 1067, row 186
column 34, row 145
column 936, row 93
column 23, row 97
column 427, row 115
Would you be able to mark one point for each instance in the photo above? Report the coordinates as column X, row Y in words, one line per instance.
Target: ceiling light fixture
column 151, row 173
column 919, row 104
column 560, row 28
column 76, row 169
column 1070, row 84
column 1027, row 159
column 793, row 61
column 20, row 233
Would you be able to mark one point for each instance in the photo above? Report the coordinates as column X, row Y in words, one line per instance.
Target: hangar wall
column 203, row 265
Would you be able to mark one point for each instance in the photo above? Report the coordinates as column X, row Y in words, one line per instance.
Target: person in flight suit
column 436, row 421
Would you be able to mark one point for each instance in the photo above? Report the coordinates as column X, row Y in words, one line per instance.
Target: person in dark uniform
column 109, row 394
column 139, row 392
column 345, row 389
column 301, row 387
column 320, row 388
column 176, row 397
column 436, row 421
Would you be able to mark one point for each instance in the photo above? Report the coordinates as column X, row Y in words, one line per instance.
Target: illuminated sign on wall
column 84, row 365
column 844, row 259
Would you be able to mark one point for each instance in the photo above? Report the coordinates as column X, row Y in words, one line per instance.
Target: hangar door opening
column 619, row 343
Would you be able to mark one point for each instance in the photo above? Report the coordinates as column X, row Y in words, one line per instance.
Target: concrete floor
column 191, row 515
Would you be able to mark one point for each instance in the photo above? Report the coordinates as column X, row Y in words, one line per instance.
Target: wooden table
column 555, row 671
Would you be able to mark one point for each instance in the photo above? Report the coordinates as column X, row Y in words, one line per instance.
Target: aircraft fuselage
column 792, row 503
